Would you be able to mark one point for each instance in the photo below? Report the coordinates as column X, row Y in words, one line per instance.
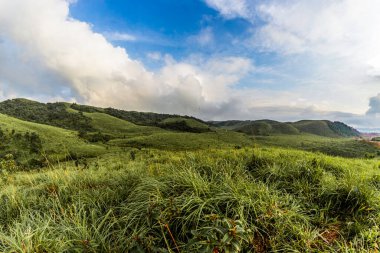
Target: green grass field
column 179, row 185
column 346, row 147
column 224, row 200
column 119, row 128
column 186, row 141
column 57, row 142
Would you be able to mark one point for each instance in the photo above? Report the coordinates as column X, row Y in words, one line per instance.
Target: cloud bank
column 47, row 54
column 335, row 42
column 83, row 65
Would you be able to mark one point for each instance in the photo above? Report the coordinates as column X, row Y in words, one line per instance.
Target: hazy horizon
column 212, row 59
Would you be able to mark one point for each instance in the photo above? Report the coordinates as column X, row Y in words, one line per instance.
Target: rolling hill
column 116, row 128
column 112, row 128
column 269, row 127
column 32, row 143
column 79, row 117
column 140, row 185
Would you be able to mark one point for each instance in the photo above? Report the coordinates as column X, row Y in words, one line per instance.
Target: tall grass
column 259, row 200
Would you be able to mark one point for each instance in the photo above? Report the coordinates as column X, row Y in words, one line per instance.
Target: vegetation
column 225, row 200
column 269, row 127
column 185, row 141
column 184, row 125
column 28, row 142
column 54, row 114
column 174, row 122
column 345, row 147
column 144, row 182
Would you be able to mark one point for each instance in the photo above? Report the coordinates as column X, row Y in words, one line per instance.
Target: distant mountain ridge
column 76, row 117
column 270, row 127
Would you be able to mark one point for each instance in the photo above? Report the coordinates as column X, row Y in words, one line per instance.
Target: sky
column 285, row 60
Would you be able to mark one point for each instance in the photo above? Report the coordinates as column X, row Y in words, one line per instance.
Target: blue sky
column 164, row 26
column 174, row 28
column 214, row 59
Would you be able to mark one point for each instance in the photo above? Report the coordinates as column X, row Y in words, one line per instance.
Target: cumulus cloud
column 345, row 30
column 336, row 43
column 374, row 105
column 83, row 65
column 47, row 54
column 339, row 37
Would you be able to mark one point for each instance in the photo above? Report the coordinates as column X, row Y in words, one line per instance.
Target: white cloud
column 117, row 36
column 337, row 41
column 84, row 65
column 345, row 28
column 340, row 37
column 47, row 54
column 231, row 8
column 154, row 56
column 374, row 105
column 204, row 38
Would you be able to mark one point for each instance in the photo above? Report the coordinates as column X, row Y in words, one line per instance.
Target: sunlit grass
column 160, row 201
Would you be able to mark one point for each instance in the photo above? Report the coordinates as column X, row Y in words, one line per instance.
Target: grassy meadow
column 345, row 147
column 121, row 181
column 219, row 200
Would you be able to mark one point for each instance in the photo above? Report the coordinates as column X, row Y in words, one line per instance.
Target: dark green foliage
column 85, row 108
column 143, row 118
column 97, row 137
column 25, row 148
column 55, row 114
column 184, row 125
column 34, row 142
column 342, row 129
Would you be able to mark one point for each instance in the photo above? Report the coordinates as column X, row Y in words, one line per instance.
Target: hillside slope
column 52, row 142
column 79, row 117
column 269, row 127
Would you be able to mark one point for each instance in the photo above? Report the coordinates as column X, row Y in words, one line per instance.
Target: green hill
column 31, row 142
column 316, row 127
column 177, row 141
column 326, row 128
column 141, row 118
column 119, row 181
column 54, row 114
column 184, row 124
column 80, row 117
column 269, row 127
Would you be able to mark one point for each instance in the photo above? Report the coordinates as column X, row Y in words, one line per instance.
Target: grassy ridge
column 72, row 116
column 56, row 142
column 54, row 114
column 186, row 141
column 119, row 128
column 345, row 147
column 270, row 127
column 261, row 200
